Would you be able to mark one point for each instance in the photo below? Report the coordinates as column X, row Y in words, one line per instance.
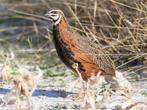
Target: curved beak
column 48, row 15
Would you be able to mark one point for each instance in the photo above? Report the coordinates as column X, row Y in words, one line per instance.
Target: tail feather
column 123, row 82
column 119, row 82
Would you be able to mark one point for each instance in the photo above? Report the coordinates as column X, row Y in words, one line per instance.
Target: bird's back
column 96, row 54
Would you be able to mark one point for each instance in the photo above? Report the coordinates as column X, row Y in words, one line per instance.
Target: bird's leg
column 90, row 95
column 75, row 66
column 90, row 92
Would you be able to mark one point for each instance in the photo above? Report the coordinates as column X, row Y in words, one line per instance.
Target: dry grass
column 119, row 27
column 24, row 82
column 25, row 86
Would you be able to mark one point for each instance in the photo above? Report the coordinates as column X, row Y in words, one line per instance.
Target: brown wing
column 97, row 55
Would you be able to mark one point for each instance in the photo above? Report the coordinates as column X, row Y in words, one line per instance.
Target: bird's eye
column 55, row 12
column 54, row 15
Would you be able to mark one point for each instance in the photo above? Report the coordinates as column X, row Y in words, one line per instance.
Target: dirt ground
column 56, row 93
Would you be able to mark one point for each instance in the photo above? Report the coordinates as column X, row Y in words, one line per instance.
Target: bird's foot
column 79, row 96
column 91, row 98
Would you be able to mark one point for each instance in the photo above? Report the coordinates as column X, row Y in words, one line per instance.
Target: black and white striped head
column 55, row 15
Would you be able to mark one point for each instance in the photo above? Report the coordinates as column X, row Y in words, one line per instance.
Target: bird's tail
column 123, row 82
column 119, row 82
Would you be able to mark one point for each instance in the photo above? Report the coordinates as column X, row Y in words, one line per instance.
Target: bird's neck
column 59, row 30
column 63, row 24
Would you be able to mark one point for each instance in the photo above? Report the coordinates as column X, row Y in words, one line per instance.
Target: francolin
column 79, row 53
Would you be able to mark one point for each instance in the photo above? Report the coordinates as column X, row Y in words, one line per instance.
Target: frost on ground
column 56, row 93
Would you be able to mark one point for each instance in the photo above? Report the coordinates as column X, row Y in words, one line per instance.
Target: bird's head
column 55, row 15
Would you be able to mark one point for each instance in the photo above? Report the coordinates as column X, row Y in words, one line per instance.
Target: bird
column 78, row 52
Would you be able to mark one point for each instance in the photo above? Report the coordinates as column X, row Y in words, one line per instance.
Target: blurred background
column 118, row 26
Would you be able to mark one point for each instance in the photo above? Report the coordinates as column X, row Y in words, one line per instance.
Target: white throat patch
column 57, row 22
